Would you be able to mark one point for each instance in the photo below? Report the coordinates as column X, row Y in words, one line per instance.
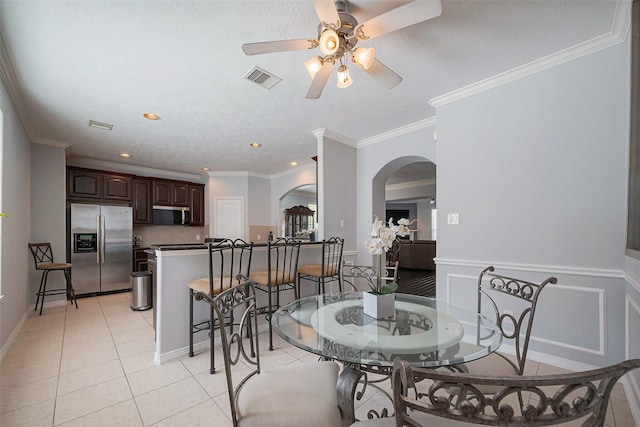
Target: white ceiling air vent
column 262, row 77
column 100, row 125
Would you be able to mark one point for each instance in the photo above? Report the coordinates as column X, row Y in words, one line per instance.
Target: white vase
column 378, row 306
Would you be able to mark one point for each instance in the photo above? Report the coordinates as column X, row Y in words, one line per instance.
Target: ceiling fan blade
column 382, row 74
column 400, row 17
column 327, row 12
column 278, row 46
column 320, row 81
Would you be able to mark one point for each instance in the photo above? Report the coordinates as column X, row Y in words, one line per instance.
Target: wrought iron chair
column 355, row 274
column 512, row 303
column 281, row 274
column 227, row 259
column 291, row 395
column 457, row 399
column 43, row 259
column 328, row 270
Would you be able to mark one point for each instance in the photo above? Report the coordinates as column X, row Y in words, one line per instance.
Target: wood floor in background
column 417, row 282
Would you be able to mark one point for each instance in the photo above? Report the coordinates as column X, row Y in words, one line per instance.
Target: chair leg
column 70, row 291
column 44, row 289
column 44, row 273
column 212, row 368
column 190, row 322
column 269, row 311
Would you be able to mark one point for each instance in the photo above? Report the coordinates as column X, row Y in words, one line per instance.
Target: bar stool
column 228, row 259
column 329, row 269
column 43, row 259
column 281, row 274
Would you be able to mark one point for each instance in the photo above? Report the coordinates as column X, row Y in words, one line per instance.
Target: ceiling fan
column 338, row 36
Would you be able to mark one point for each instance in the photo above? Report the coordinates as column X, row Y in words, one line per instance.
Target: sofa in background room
column 417, row 254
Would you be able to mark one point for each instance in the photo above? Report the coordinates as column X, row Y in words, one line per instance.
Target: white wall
column 48, row 212
column 259, row 201
column 537, row 170
column 337, row 188
column 284, row 182
column 16, row 233
column 231, row 185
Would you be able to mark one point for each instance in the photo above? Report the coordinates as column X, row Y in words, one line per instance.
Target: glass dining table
column 426, row 332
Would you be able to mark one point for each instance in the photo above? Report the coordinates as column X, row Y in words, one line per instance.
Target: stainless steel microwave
column 170, row 215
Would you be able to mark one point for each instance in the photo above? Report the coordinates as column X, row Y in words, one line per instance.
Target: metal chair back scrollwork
column 554, row 399
column 515, row 321
column 353, row 275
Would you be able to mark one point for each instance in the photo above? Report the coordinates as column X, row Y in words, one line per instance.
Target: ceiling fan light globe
column 313, row 65
column 364, row 56
column 329, row 42
column 344, row 78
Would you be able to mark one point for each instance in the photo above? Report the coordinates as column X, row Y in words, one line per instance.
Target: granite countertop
column 190, row 246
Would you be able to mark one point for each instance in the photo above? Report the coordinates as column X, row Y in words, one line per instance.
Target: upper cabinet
column 98, row 185
column 196, row 204
column 141, row 202
column 170, row 193
column 140, row 192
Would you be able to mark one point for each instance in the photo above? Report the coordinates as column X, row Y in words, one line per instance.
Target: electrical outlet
column 197, row 237
column 259, row 237
column 453, row 218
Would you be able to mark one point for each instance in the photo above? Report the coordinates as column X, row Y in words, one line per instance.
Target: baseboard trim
column 14, row 334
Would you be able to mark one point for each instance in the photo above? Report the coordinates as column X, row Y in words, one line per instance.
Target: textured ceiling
column 112, row 61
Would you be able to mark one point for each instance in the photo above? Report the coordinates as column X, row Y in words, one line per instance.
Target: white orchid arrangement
column 382, row 237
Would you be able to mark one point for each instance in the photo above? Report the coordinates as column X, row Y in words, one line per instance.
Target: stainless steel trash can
column 141, row 290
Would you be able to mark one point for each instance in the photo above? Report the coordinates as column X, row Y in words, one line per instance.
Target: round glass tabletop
column 424, row 331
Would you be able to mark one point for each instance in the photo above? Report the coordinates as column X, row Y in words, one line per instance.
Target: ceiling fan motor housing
column 345, row 34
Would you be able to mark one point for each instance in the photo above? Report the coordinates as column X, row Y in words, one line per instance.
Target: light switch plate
column 453, row 218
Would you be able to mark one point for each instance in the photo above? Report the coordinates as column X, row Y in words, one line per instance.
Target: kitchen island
column 177, row 265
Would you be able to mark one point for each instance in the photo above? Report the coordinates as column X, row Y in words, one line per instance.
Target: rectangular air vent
column 262, row 77
column 100, row 125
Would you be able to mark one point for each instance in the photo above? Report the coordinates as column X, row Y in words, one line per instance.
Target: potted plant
column 379, row 301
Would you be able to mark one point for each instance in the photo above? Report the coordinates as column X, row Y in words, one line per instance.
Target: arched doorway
column 406, row 188
column 304, row 195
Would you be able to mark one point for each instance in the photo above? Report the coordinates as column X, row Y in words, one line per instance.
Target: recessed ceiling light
column 255, row 144
column 125, row 155
column 294, row 163
column 100, row 125
column 151, row 116
column 205, row 169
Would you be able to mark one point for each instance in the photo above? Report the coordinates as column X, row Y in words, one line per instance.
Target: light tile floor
column 93, row 366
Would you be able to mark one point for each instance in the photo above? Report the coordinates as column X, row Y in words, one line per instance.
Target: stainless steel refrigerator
column 101, row 247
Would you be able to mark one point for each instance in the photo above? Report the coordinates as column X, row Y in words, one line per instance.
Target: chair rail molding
column 542, row 268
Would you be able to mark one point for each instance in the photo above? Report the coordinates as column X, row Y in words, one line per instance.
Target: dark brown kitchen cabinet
column 141, row 201
column 180, row 194
column 170, row 193
column 116, row 187
column 83, row 183
column 196, row 204
column 162, row 192
column 98, row 185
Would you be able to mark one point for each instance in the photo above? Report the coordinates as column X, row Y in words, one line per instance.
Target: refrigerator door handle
column 103, row 239
column 99, row 238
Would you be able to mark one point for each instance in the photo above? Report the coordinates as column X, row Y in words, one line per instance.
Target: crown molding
column 618, row 34
column 132, row 169
column 322, row 133
column 51, row 142
column 8, row 77
column 394, row 133
column 213, row 174
column 293, row 171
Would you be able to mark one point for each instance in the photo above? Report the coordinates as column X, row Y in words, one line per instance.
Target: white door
column 229, row 218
